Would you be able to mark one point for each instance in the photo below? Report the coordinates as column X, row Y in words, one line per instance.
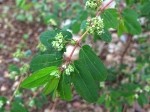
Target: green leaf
column 106, row 36
column 93, row 64
column 101, row 99
column 83, row 25
column 20, row 3
column 64, row 88
column 38, row 78
column 89, row 70
column 50, row 19
column 84, row 82
column 121, row 28
column 51, row 85
column 3, row 102
column 130, row 21
column 110, row 18
column 21, row 17
column 145, row 9
column 142, row 99
column 18, row 107
column 48, row 36
column 66, row 34
column 75, row 25
column 45, row 60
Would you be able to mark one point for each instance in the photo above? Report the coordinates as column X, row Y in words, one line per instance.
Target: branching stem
column 80, row 39
column 68, row 60
column 101, row 9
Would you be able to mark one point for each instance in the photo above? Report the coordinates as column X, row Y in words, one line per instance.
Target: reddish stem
column 78, row 41
column 76, row 45
column 103, row 8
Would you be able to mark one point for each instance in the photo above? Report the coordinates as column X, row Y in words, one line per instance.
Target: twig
column 17, row 88
column 124, row 108
column 54, row 105
column 101, row 9
column 129, row 40
column 68, row 60
column 78, row 42
column 76, row 45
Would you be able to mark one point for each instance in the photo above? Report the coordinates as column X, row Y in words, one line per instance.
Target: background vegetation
column 125, row 51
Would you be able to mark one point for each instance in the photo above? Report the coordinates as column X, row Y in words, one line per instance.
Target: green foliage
column 95, row 66
column 64, row 88
column 110, row 17
column 84, row 84
column 48, row 36
column 76, row 23
column 52, row 85
column 130, row 21
column 45, row 60
column 18, row 107
column 91, row 65
column 106, row 36
column 3, row 101
column 88, row 73
column 38, row 78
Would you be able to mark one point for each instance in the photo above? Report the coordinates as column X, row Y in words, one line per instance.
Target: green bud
column 55, row 73
column 69, row 69
column 95, row 25
column 59, row 42
column 73, row 42
column 93, row 4
column 41, row 47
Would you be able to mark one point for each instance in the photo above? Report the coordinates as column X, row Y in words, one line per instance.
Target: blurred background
column 127, row 57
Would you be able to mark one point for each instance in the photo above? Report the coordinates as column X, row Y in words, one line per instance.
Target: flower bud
column 93, row 4
column 95, row 25
column 41, row 47
column 56, row 74
column 69, row 69
column 58, row 43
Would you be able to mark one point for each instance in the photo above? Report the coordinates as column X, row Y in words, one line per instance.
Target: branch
column 17, row 88
column 101, row 9
column 80, row 39
column 77, row 44
column 54, row 105
column 129, row 40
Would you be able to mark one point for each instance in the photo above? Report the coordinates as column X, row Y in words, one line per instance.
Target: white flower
column 93, row 4
column 59, row 36
column 56, row 74
column 95, row 25
column 136, row 96
column 19, row 54
column 58, row 43
column 69, row 69
column 1, row 103
column 147, row 88
column 64, row 66
column 41, row 47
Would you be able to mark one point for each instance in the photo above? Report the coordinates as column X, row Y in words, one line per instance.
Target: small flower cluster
column 19, row 54
column 24, row 69
column 55, row 74
column 68, row 69
column 95, row 25
column 147, row 88
column 93, row 4
column 1, row 103
column 139, row 91
column 58, row 43
column 41, row 47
